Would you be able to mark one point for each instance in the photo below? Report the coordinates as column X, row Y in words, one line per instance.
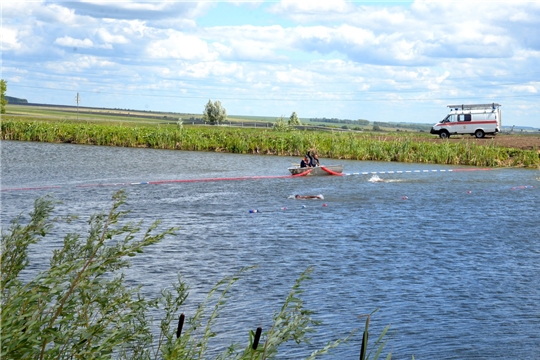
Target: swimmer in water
column 301, row 197
column 375, row 178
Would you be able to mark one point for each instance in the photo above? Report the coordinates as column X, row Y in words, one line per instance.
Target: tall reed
column 336, row 145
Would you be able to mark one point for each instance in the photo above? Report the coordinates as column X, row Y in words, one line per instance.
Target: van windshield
column 449, row 118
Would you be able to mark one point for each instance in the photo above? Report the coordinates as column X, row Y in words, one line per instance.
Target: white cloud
column 14, row 10
column 181, row 46
column 110, row 38
column 252, row 50
column 248, row 42
column 305, row 9
column 252, row 4
column 57, row 14
column 80, row 64
column 223, row 50
column 533, row 89
column 133, row 9
column 10, row 39
column 428, row 30
column 295, row 50
column 268, row 34
column 294, row 76
column 71, row 42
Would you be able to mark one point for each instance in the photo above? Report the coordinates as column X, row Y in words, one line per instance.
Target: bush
column 81, row 308
column 282, row 125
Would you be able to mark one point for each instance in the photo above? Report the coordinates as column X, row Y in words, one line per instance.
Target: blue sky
column 381, row 61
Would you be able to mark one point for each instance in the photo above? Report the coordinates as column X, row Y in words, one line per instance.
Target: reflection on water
column 450, row 258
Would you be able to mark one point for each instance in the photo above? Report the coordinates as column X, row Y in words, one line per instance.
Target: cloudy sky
column 381, row 61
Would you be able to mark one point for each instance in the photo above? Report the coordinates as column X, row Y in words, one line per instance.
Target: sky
column 399, row 61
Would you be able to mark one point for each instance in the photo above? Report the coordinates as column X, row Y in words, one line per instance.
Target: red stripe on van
column 459, row 123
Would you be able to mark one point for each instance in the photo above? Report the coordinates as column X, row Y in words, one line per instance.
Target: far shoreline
column 367, row 146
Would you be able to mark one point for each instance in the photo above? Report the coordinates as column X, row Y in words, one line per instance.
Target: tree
column 214, row 113
column 363, row 122
column 281, row 125
column 3, row 101
column 294, row 120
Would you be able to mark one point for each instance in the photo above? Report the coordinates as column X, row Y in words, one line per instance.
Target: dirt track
column 525, row 142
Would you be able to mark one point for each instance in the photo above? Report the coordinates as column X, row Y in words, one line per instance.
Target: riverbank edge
column 335, row 145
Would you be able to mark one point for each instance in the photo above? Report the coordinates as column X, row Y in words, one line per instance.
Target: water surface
column 451, row 259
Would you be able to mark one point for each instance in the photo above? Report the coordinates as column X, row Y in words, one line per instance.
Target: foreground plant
column 81, row 308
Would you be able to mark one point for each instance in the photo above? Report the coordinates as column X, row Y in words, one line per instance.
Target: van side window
column 467, row 117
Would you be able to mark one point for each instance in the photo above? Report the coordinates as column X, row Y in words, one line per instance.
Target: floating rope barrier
column 331, row 172
column 305, row 173
column 190, row 180
column 415, row 171
column 522, row 187
column 159, row 182
column 32, row 188
column 155, row 182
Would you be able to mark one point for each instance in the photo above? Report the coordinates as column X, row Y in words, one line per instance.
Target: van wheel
column 444, row 134
column 479, row 134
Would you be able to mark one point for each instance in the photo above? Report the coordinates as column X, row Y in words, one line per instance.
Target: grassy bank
column 338, row 145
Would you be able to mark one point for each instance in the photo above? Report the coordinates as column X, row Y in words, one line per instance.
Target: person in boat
column 313, row 159
column 300, row 197
column 305, row 162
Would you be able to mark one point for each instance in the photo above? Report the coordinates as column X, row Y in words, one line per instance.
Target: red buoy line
column 160, row 182
column 32, row 188
column 306, row 173
column 157, row 182
column 331, row 172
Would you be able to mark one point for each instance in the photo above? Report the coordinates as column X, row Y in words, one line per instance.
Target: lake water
column 451, row 259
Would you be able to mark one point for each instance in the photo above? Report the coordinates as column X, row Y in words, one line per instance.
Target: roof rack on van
column 474, row 106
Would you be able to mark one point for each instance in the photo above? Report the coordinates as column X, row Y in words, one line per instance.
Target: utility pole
column 77, row 100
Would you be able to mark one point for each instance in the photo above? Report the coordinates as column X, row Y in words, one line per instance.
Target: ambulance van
column 474, row 119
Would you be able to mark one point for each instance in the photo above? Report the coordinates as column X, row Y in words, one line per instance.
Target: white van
column 473, row 119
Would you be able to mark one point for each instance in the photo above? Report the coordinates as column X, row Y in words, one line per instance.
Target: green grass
column 90, row 114
column 400, row 147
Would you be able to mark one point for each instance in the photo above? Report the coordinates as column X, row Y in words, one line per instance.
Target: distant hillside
column 14, row 100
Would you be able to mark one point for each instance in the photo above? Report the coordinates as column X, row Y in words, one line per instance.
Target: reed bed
column 337, row 145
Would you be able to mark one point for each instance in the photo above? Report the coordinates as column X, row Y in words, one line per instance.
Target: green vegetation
column 3, row 101
column 281, row 125
column 214, row 113
column 361, row 124
column 81, row 307
column 104, row 116
column 14, row 100
column 294, row 120
column 401, row 147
